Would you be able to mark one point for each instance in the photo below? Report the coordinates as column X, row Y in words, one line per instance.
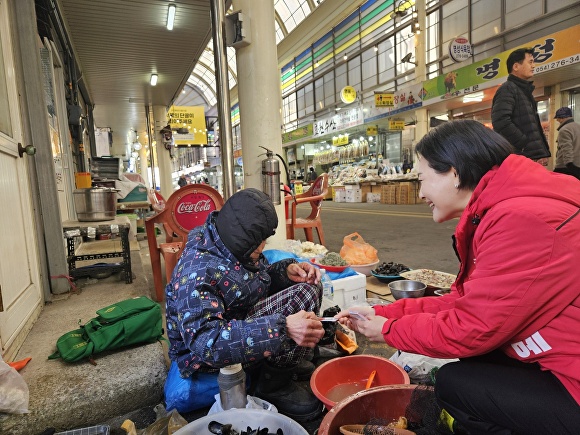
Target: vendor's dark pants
column 494, row 394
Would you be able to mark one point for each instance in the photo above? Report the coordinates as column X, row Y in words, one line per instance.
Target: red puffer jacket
column 518, row 242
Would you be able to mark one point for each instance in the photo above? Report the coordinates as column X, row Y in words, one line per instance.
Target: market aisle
column 401, row 233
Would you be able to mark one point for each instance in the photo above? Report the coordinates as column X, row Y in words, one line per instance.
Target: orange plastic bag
column 356, row 251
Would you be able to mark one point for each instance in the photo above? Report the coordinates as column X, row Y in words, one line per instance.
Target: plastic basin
column 240, row 419
column 338, row 378
column 388, row 403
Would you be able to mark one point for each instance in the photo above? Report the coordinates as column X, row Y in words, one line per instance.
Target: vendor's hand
column 303, row 272
column 371, row 327
column 304, row 328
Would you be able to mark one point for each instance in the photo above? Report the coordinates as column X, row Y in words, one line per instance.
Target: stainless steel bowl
column 407, row 289
column 95, row 204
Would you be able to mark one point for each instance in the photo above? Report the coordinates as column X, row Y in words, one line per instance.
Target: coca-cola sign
column 193, row 209
column 198, row 207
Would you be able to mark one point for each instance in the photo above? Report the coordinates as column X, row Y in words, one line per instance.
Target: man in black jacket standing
column 514, row 112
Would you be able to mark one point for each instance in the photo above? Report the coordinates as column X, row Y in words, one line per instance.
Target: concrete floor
column 129, row 383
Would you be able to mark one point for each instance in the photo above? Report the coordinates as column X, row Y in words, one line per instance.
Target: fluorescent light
column 153, row 79
column 170, row 16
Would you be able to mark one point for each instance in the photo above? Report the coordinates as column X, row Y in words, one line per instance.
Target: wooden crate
column 389, row 194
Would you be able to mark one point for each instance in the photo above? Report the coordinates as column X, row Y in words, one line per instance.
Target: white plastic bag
column 418, row 367
column 253, row 403
column 13, row 390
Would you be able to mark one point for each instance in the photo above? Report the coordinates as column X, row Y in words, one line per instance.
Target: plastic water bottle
column 232, row 384
column 327, row 287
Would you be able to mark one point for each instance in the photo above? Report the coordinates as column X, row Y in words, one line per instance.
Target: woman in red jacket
column 513, row 314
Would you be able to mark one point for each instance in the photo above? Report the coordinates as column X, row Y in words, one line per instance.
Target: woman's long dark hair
column 468, row 146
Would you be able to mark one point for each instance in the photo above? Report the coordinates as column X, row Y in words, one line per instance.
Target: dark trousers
column 494, row 394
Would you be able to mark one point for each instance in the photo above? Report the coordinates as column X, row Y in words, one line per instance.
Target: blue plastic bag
column 188, row 394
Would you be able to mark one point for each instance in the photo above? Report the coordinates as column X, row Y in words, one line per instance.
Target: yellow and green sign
column 384, row 100
column 551, row 52
column 299, row 133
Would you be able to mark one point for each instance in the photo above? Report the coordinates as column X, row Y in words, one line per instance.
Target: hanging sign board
column 188, row 125
column 396, row 125
column 341, row 139
column 348, row 94
column 460, row 49
column 372, row 130
column 384, row 100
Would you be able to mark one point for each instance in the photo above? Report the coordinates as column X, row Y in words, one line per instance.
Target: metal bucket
column 95, row 204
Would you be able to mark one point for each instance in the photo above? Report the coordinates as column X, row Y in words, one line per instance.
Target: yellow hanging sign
column 188, row 125
column 372, row 130
column 340, row 140
column 396, row 125
column 348, row 94
column 384, row 100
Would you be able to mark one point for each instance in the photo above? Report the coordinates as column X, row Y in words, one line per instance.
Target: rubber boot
column 303, row 371
column 277, row 387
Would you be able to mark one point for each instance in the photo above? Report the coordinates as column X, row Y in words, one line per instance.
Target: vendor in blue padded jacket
column 225, row 305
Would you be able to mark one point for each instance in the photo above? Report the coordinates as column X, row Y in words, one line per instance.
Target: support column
column 163, row 156
column 422, row 125
column 143, row 164
column 260, row 100
column 223, row 97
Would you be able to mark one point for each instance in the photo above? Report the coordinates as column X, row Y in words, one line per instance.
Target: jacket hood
column 519, row 176
column 245, row 221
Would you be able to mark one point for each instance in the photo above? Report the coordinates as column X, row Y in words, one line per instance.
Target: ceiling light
column 476, row 97
column 345, row 57
column 376, row 48
column 154, row 78
column 170, row 16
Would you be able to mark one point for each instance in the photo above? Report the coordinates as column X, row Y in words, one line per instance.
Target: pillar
column 260, row 99
column 163, row 156
column 143, row 164
column 422, row 124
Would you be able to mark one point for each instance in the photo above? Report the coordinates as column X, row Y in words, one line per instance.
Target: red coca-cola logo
column 193, row 209
column 198, row 207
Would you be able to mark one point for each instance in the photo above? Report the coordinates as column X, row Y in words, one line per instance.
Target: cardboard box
column 365, row 188
column 351, row 186
column 389, row 194
column 350, row 291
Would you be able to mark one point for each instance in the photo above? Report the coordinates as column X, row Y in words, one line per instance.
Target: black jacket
column 514, row 115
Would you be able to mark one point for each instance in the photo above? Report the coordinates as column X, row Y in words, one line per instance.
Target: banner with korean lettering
column 188, row 125
column 551, row 52
column 408, row 98
column 341, row 121
column 299, row 133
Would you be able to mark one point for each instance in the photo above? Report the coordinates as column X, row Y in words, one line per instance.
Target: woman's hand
column 303, row 272
column 304, row 328
column 371, row 326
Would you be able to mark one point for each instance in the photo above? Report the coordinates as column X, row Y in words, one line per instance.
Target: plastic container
column 385, row 403
column 240, row 419
column 83, row 180
column 232, row 384
column 327, row 287
column 338, row 378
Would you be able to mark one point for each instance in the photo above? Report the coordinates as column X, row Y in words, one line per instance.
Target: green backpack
column 128, row 322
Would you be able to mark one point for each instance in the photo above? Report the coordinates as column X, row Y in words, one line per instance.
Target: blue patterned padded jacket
column 208, row 298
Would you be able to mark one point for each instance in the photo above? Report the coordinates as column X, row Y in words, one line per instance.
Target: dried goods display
column 333, row 259
column 432, row 278
column 390, row 269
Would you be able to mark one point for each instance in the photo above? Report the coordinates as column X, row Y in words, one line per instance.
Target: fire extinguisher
column 271, row 175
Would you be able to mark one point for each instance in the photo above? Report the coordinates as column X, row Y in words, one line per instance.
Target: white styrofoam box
column 373, row 197
column 354, row 195
column 340, row 196
column 351, row 186
column 350, row 291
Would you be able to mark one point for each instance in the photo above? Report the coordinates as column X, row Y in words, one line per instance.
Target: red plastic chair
column 315, row 197
column 185, row 209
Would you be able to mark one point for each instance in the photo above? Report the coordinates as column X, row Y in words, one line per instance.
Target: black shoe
column 277, row 387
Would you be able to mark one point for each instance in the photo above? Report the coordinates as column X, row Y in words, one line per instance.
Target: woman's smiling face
column 439, row 192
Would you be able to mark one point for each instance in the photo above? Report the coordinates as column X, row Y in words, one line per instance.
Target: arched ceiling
column 201, row 83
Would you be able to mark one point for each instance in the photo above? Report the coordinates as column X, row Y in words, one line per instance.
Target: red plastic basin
column 388, row 403
column 338, row 378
